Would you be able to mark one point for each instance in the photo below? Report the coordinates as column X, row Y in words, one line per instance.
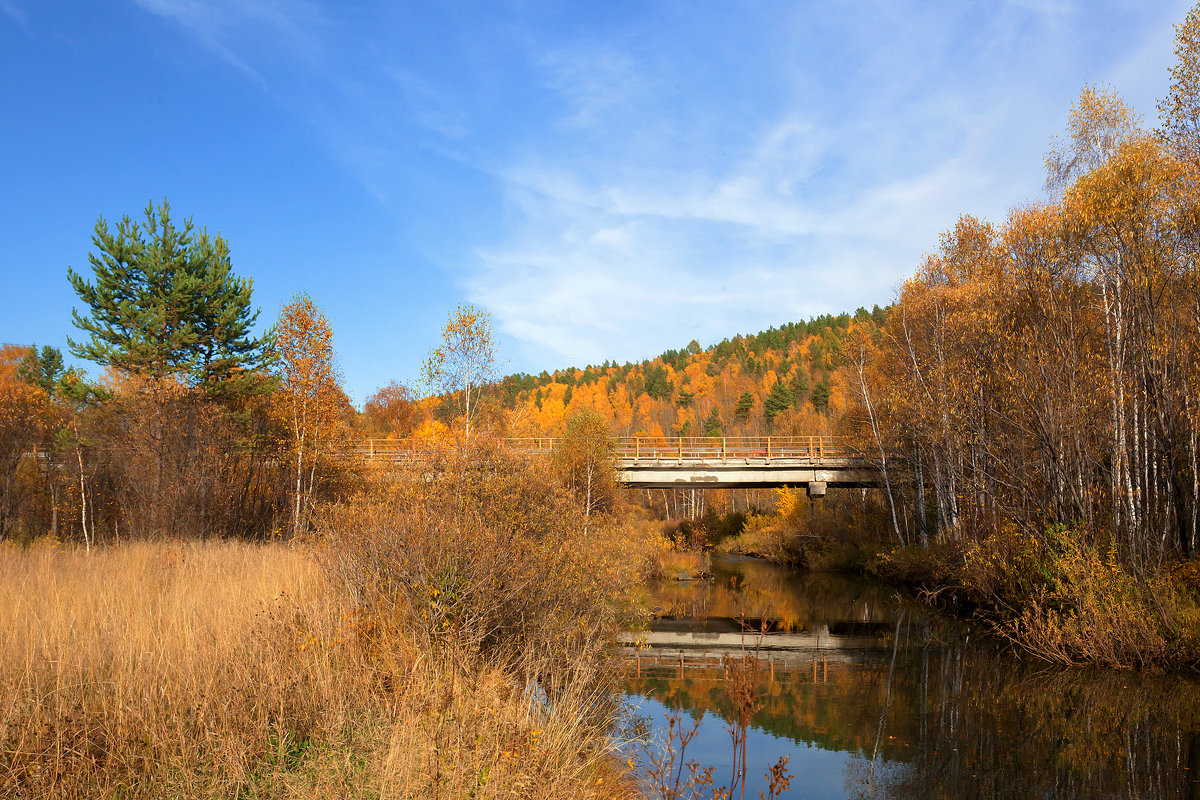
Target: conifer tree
column 745, row 405
column 820, row 395
column 165, row 304
column 42, row 369
column 799, row 383
column 658, row 385
column 713, row 427
column 779, row 400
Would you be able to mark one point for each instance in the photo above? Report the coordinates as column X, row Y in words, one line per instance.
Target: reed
column 226, row 669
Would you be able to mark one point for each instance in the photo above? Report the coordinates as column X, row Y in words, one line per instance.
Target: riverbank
column 1055, row 596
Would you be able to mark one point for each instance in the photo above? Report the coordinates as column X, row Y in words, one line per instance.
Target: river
column 870, row 694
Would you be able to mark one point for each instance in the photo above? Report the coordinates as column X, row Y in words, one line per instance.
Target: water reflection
column 873, row 697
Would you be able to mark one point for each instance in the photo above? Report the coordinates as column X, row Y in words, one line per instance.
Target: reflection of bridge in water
column 703, row 642
column 648, row 462
column 790, row 619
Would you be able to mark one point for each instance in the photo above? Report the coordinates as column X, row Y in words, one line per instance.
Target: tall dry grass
column 159, row 669
column 234, row 670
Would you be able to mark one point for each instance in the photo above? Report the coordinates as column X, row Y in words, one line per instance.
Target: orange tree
column 310, row 395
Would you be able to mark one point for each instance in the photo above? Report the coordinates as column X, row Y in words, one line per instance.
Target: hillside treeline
column 782, row 381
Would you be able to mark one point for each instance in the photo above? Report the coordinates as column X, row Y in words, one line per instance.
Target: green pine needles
column 165, row 304
column 779, row 400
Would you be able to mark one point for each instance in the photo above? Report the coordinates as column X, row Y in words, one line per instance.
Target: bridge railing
column 639, row 447
column 725, row 447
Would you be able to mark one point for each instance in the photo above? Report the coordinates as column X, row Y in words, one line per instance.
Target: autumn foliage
column 1043, row 371
column 1034, row 390
column 310, row 401
column 781, row 381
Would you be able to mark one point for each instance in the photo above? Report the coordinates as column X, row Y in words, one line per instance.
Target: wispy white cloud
column 236, row 30
column 13, row 12
column 703, row 169
column 629, row 246
column 596, row 276
column 594, row 81
column 433, row 109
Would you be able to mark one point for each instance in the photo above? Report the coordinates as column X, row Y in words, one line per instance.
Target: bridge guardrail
column 641, row 447
column 743, row 447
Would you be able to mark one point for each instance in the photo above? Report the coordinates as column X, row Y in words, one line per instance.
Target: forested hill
column 781, row 381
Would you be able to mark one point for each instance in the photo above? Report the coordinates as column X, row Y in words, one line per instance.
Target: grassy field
column 226, row 669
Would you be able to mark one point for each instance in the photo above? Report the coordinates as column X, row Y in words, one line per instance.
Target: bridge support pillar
column 816, row 488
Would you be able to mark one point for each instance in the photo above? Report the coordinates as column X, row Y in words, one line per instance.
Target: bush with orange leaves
column 486, row 558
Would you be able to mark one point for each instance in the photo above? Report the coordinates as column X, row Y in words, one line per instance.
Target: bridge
column 649, row 462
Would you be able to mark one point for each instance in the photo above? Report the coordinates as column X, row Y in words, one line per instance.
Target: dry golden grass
column 229, row 669
column 683, row 564
column 478, row 735
column 160, row 669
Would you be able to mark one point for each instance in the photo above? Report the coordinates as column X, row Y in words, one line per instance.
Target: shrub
column 484, row 559
column 767, row 537
column 1060, row 596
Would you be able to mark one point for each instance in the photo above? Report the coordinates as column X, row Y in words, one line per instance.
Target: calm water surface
column 870, row 695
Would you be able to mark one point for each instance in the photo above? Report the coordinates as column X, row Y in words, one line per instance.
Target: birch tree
column 310, row 387
column 464, row 362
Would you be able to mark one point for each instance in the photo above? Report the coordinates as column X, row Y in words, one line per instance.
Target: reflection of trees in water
column 791, row 601
column 833, row 707
column 976, row 725
column 958, row 719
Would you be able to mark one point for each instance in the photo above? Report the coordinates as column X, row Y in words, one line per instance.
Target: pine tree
column 799, row 383
column 820, row 395
column 713, row 428
column 745, row 405
column 658, row 385
column 779, row 400
column 165, row 304
column 42, row 369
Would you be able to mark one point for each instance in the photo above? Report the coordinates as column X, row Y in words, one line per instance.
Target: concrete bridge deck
column 746, row 462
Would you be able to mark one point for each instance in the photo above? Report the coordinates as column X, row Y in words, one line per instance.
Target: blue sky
column 610, row 179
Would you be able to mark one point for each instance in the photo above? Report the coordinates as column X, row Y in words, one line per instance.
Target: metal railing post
column 768, row 447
